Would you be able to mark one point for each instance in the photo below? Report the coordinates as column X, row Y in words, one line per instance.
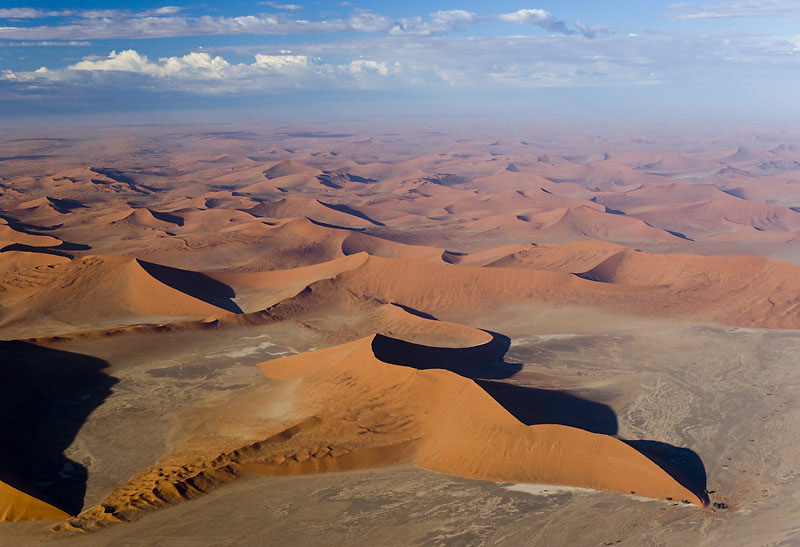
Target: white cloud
column 167, row 21
column 539, row 17
column 202, row 73
column 36, row 13
column 195, row 64
column 46, row 43
column 283, row 61
column 29, row 13
column 361, row 66
column 366, row 21
column 377, row 63
column 289, row 7
column 735, row 8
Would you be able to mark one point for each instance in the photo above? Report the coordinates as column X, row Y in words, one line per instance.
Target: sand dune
column 574, row 257
column 745, row 291
column 569, row 224
column 460, row 427
column 664, row 161
column 603, row 175
column 354, row 410
column 319, row 211
column 92, row 291
column 290, row 167
column 721, row 216
column 11, row 236
column 17, row 506
column 660, row 195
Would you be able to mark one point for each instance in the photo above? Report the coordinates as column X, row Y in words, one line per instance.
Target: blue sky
column 614, row 60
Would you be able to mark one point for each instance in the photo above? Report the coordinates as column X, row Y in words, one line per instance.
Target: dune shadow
column 485, row 365
column 334, row 226
column 533, row 406
column 483, row 361
column 194, row 284
column 682, row 464
column 46, row 396
column 55, row 250
column 350, row 211
column 167, row 217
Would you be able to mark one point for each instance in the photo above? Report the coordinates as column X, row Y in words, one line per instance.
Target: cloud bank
column 735, row 9
column 168, row 21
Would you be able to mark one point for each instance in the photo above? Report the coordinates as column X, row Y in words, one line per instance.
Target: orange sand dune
column 208, row 220
column 720, row 216
column 299, row 242
column 780, row 189
column 354, row 409
column 45, row 209
column 663, row 195
column 460, row 429
column 290, row 167
column 751, row 234
column 573, row 257
column 746, row 155
column 17, row 506
column 92, row 291
column 517, row 201
column 87, row 183
column 662, row 161
column 569, row 224
column 259, row 290
column 10, row 236
column 482, row 258
column 142, row 218
column 744, row 291
column 311, row 208
column 607, row 175
column 278, row 185
column 514, row 180
column 20, row 261
column 379, row 171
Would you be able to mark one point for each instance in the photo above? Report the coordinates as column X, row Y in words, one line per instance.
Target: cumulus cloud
column 735, row 8
column 195, row 64
column 538, row 17
column 282, row 61
column 203, row 73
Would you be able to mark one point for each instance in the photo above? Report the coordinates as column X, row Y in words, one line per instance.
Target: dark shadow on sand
column 485, row 365
column 533, row 406
column 484, row 361
column 194, row 284
column 46, row 395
